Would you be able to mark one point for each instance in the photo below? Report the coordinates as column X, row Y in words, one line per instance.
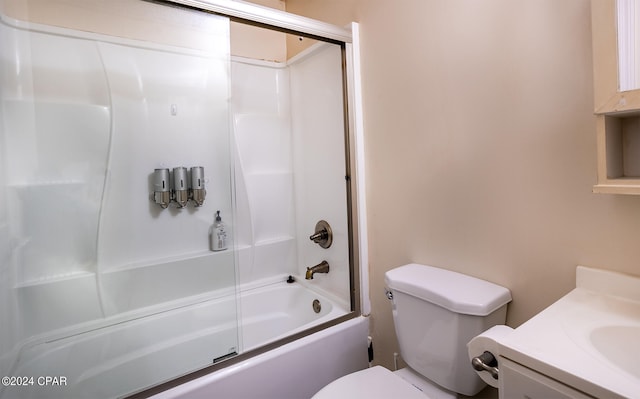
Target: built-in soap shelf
column 72, row 270
column 82, row 296
column 55, row 278
column 80, row 274
column 166, row 260
column 44, row 297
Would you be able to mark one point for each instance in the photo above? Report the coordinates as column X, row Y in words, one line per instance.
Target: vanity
column 585, row 345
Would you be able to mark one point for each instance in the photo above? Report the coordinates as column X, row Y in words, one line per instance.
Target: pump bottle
column 218, row 234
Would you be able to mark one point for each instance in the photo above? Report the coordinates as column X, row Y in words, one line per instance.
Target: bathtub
column 296, row 370
column 278, row 310
column 119, row 359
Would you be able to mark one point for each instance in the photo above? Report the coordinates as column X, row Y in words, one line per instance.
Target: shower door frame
column 348, row 40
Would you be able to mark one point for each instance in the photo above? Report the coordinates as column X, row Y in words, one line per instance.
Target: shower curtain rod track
column 268, row 17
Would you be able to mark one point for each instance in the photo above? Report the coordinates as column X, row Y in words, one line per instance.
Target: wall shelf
column 52, row 279
column 618, row 138
column 632, row 188
column 175, row 260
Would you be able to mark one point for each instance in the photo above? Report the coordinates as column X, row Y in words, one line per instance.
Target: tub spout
column 322, row 267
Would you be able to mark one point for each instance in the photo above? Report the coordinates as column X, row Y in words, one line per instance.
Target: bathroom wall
column 290, row 167
column 261, row 112
column 480, row 146
column 317, row 110
column 338, row 12
column 259, row 43
column 170, row 108
column 57, row 125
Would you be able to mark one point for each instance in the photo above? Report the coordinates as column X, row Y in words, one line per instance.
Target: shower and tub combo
column 119, row 144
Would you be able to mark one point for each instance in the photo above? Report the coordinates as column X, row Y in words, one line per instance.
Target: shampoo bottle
column 218, row 234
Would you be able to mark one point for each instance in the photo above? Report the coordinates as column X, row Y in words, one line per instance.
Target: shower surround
column 89, row 259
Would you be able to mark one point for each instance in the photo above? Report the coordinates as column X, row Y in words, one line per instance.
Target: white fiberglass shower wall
column 101, row 285
column 290, row 172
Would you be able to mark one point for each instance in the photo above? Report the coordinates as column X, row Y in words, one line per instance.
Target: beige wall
column 259, row 43
column 337, row 12
column 480, row 145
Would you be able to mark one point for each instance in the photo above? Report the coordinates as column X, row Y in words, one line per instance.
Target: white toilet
column 435, row 312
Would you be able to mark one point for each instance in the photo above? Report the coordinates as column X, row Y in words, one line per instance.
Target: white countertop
column 589, row 339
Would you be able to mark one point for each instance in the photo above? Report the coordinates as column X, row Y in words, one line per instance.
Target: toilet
column 436, row 312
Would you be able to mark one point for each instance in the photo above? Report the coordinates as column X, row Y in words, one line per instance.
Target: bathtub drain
column 316, row 306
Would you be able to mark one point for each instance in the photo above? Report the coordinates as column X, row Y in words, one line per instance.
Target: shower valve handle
column 323, row 235
column 317, row 237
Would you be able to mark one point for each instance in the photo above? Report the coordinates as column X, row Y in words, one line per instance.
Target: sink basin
column 589, row 339
column 606, row 327
column 620, row 345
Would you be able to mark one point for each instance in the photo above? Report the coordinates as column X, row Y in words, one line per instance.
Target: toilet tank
column 435, row 313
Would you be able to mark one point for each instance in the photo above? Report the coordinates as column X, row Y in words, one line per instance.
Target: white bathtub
column 116, row 360
column 275, row 311
column 293, row 371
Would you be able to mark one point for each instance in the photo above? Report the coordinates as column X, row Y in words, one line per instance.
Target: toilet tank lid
column 451, row 290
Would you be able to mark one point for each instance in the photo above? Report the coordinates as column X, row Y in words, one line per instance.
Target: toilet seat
column 374, row 382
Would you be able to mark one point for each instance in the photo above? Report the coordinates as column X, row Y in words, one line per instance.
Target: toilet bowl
column 379, row 382
column 375, row 382
column 435, row 313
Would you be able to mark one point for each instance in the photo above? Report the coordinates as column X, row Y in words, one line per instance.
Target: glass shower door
column 102, row 286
